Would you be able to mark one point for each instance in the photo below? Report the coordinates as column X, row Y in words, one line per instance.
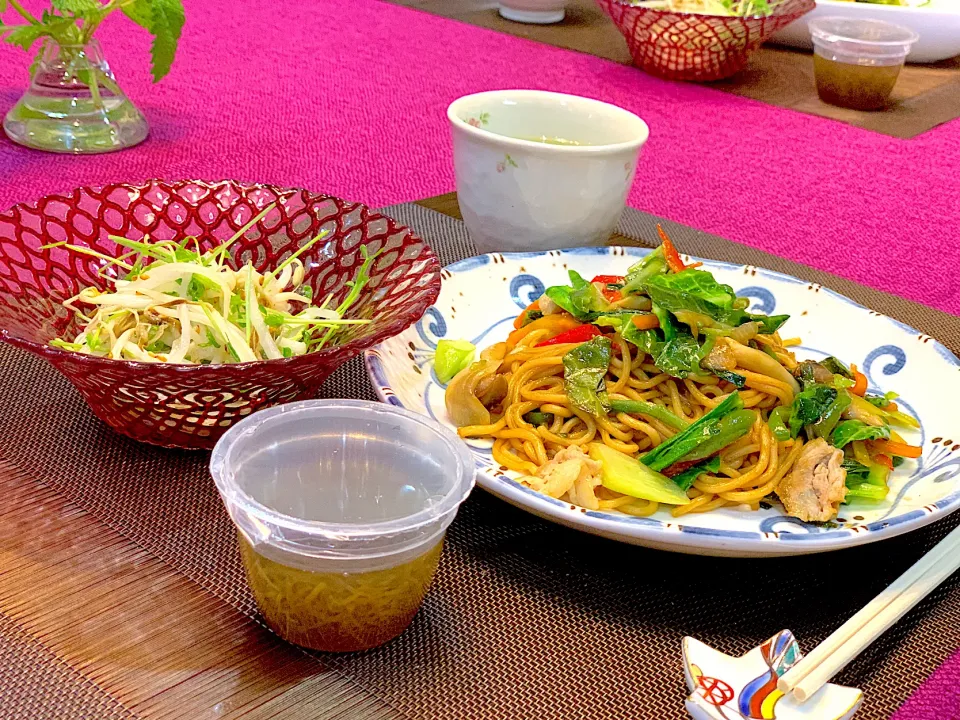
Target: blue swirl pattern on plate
column 524, row 289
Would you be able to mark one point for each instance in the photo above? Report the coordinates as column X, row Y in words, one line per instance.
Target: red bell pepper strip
column 884, row 460
column 579, row 334
column 609, row 279
column 612, row 295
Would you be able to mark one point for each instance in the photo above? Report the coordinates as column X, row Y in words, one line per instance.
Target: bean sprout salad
column 170, row 302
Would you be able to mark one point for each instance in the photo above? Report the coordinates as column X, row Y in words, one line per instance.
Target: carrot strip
column 860, row 382
column 518, row 323
column 645, row 322
column 890, row 447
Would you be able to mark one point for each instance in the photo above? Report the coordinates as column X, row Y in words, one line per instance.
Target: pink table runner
column 349, row 98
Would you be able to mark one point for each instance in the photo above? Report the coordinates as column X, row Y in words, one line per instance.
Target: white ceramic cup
column 517, row 193
column 538, row 12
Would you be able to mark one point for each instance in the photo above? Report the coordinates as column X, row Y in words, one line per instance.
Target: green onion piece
column 93, row 340
column 777, row 425
column 64, row 345
column 878, row 475
column 250, row 300
column 356, row 287
column 306, row 246
column 87, row 251
column 272, row 318
column 725, row 431
column 683, row 443
column 640, row 407
column 144, row 248
column 221, row 250
column 452, row 357
column 689, row 476
column 867, row 491
column 536, row 417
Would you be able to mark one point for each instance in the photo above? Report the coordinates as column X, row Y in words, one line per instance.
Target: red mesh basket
column 690, row 46
column 190, row 406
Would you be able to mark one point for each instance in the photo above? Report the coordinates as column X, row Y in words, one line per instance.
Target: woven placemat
column 526, row 619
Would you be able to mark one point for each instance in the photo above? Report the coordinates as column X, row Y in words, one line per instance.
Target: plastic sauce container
column 856, row 62
column 341, row 508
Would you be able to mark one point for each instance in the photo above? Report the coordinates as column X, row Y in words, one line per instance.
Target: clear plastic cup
column 341, row 507
column 856, row 62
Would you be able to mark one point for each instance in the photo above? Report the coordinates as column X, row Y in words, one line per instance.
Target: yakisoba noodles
column 658, row 387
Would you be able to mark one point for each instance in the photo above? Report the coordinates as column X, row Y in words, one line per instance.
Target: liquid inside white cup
column 519, row 193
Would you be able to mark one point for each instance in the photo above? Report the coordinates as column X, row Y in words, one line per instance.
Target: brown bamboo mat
column 122, row 594
column 925, row 95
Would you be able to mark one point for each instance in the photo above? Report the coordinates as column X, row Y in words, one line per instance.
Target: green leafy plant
column 72, row 23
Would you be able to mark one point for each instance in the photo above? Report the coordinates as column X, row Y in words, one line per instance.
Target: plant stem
column 23, row 12
column 94, row 86
column 90, row 26
column 109, row 83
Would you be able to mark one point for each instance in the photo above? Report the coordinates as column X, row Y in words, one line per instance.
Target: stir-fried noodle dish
column 658, row 387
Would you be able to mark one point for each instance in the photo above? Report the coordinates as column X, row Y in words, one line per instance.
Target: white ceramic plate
column 482, row 295
column 937, row 23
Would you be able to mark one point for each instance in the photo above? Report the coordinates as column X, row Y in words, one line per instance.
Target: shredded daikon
column 170, row 303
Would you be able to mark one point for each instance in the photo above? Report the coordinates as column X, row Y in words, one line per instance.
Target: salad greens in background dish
column 745, row 8
column 900, row 3
column 726, row 8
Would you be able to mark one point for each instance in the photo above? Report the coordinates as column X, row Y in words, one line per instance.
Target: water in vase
column 74, row 105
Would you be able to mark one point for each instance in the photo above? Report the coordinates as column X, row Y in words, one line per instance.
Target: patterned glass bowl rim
column 716, row 541
column 779, row 10
column 93, row 362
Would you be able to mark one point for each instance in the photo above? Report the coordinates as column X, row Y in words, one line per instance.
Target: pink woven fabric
column 938, row 698
column 349, row 98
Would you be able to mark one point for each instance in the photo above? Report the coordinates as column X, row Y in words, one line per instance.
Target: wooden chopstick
column 851, row 638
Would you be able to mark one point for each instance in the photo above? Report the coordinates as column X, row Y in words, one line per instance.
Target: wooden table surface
column 129, row 633
column 926, row 95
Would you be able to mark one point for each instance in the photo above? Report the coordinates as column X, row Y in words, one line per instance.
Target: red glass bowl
column 190, row 406
column 690, row 46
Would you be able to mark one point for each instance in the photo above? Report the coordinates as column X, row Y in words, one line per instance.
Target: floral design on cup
column 482, row 119
column 505, row 163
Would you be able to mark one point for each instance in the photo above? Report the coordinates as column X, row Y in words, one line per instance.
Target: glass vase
column 74, row 105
